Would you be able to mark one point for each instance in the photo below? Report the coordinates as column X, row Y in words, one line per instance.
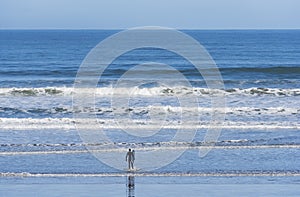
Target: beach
column 43, row 148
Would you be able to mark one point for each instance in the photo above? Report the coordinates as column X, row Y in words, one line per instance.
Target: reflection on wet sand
column 130, row 186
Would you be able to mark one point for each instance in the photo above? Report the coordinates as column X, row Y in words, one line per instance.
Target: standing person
column 130, row 159
column 133, row 153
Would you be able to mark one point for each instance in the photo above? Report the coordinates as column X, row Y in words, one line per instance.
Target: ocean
column 259, row 142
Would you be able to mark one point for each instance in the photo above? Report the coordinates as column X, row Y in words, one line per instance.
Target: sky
column 120, row 14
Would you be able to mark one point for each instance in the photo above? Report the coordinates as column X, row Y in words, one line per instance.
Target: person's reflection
column 130, row 186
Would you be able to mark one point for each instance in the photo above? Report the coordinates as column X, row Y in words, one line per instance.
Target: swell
column 188, row 71
column 277, row 70
column 287, row 70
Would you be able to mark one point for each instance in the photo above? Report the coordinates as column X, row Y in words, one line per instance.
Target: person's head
column 129, row 150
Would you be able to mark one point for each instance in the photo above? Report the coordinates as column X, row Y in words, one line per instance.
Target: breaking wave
column 150, row 91
column 140, row 111
column 69, row 123
column 142, row 146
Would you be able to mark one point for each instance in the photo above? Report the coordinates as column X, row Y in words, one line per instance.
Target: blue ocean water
column 253, row 58
column 260, row 140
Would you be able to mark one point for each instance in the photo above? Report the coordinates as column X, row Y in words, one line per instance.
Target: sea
column 257, row 151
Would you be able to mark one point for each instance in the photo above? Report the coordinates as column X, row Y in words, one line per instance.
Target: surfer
column 130, row 159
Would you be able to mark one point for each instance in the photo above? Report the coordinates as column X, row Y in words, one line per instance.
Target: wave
column 153, row 146
column 46, row 91
column 140, row 111
column 140, row 144
column 224, row 143
column 264, row 70
column 91, row 124
column 237, row 143
column 162, row 174
column 186, row 70
column 151, row 91
column 289, row 71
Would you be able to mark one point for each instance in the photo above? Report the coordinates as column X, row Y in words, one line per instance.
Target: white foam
column 123, row 149
column 167, row 109
column 149, row 174
column 70, row 124
column 153, row 91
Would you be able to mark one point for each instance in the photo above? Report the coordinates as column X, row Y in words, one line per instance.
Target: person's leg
column 131, row 164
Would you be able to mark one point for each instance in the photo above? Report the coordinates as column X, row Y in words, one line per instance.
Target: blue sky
column 118, row 14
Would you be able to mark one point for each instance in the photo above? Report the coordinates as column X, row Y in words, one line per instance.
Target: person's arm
column 126, row 157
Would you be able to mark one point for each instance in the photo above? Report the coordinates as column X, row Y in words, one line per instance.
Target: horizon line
column 205, row 29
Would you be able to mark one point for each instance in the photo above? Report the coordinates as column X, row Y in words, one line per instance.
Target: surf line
column 149, row 174
column 10, row 153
